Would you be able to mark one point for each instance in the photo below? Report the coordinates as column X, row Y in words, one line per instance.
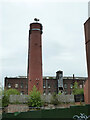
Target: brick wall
column 86, row 92
column 17, row 108
column 20, row 84
column 50, row 85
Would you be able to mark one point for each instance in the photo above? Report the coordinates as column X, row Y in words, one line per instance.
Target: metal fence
column 66, row 113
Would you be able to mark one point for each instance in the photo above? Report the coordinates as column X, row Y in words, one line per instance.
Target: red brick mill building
column 47, row 84
column 50, row 84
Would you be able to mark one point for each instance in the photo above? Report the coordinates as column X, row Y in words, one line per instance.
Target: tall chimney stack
column 35, row 57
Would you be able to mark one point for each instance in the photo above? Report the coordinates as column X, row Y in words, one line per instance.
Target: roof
column 87, row 20
column 50, row 77
column 17, row 77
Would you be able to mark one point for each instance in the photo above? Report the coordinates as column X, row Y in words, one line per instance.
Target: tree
column 0, row 96
column 77, row 90
column 34, row 98
column 6, row 95
column 11, row 92
column 0, row 91
column 75, row 87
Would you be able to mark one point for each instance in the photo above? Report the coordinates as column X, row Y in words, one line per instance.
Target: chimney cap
column 36, row 19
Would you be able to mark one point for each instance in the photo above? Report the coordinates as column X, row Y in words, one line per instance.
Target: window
column 48, row 85
column 16, row 85
column 54, row 91
column 71, row 92
column 55, row 85
column 44, row 93
column 44, row 84
column 22, row 85
column 65, row 85
column 49, row 93
column 66, row 92
column 22, row 92
column 37, row 83
column 26, row 86
column 80, row 86
column 71, row 85
column 9, row 85
column 47, row 77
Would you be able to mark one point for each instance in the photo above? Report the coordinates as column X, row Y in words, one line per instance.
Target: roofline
column 87, row 20
column 46, row 76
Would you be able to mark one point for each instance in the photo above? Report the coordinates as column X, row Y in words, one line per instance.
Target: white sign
column 81, row 117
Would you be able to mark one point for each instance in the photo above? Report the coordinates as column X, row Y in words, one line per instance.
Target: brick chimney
column 35, row 57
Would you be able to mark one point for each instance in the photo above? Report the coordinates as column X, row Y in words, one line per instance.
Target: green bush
column 59, row 93
column 5, row 101
column 11, row 92
column 77, row 90
column 0, row 95
column 6, row 95
column 34, row 98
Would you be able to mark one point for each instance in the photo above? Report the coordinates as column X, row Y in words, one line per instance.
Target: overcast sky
column 63, row 41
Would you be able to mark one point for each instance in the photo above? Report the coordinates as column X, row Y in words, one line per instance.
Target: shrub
column 5, row 101
column 1, row 96
column 59, row 93
column 34, row 98
column 77, row 90
column 6, row 95
column 11, row 92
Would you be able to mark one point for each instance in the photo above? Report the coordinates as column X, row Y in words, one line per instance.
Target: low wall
column 45, row 98
column 17, row 108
